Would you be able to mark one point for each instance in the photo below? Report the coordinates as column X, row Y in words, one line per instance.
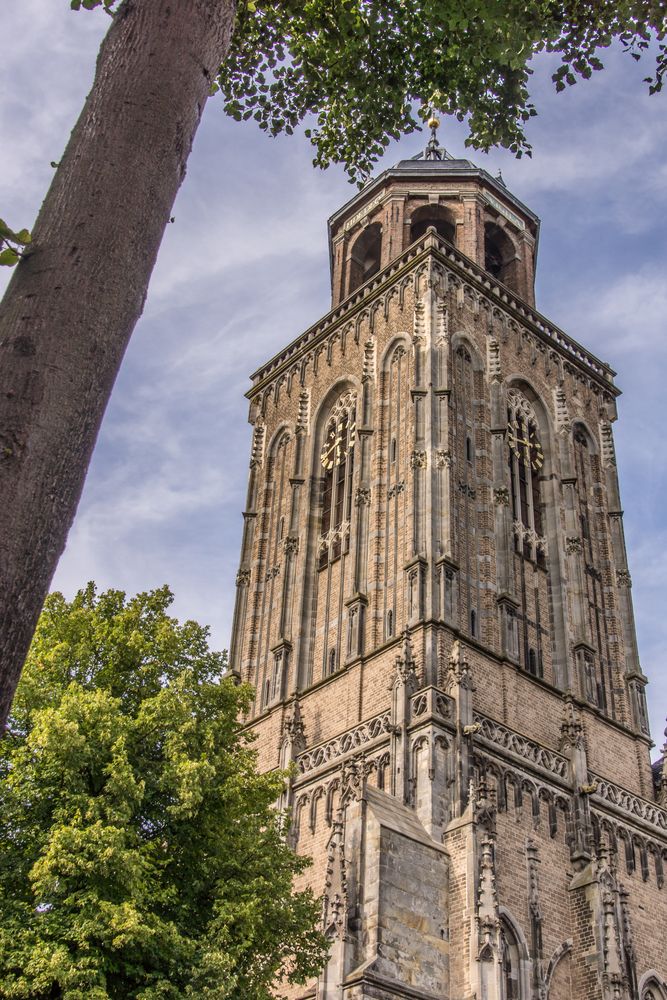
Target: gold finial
column 433, row 150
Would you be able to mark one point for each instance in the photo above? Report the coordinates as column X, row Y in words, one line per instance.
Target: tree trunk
column 73, row 302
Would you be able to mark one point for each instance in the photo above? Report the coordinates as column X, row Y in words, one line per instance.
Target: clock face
column 338, row 443
column 525, row 444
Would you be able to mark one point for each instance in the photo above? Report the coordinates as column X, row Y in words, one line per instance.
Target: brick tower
column 433, row 604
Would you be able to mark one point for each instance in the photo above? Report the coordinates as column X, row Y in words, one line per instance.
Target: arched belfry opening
column 365, row 256
column 432, row 215
column 500, row 255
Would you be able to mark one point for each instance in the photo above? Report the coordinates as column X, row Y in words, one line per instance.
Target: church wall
column 506, row 693
column 412, row 945
column 552, row 867
column 648, row 922
column 431, row 361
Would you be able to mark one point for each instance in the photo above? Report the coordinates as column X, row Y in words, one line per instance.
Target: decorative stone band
column 349, row 742
column 430, row 701
column 500, row 736
column 457, row 268
column 626, row 803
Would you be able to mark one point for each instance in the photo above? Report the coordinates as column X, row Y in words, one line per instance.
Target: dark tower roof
column 440, row 164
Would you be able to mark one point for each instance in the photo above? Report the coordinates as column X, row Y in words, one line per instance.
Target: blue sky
column 244, row 269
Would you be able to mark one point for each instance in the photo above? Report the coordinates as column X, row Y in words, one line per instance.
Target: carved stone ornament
column 493, row 360
column 257, row 451
column 405, row 663
column 487, row 900
column 272, row 573
column 291, row 545
column 368, row 373
column 571, row 729
column 418, row 460
column 573, row 545
column 608, row 450
column 335, row 896
column 458, row 670
column 304, row 410
column 501, row 496
column 362, row 496
column 396, row 489
column 294, row 731
column 243, row 578
column 623, row 578
column 662, row 784
column 563, row 422
column 484, row 806
column 443, row 459
column 354, row 775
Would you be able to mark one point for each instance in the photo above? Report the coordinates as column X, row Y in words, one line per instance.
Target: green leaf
column 141, row 852
column 9, row 257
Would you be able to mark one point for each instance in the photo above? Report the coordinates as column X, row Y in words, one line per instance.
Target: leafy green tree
column 357, row 70
column 140, row 855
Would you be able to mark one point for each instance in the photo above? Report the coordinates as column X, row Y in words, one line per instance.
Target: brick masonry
column 434, row 608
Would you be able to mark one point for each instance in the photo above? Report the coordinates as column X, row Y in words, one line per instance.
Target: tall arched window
column 469, row 435
column 432, row 215
column 499, row 254
column 526, row 458
column 596, row 667
column 268, row 607
column 511, row 965
column 365, row 256
column 337, row 460
column 653, row 989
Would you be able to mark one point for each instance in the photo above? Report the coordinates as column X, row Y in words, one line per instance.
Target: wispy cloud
column 244, row 269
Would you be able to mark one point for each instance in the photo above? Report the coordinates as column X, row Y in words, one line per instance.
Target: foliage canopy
column 361, row 72
column 140, row 855
column 362, row 67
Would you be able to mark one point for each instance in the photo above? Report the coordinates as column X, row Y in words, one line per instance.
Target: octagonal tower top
column 466, row 205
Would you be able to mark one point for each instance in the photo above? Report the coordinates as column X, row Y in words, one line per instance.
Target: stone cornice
column 460, row 267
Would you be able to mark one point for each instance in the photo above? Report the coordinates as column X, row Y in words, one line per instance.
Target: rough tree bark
column 73, row 302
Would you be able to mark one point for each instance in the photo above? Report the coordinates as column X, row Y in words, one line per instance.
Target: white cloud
column 244, row 269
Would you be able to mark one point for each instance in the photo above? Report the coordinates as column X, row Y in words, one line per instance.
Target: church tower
column 434, row 609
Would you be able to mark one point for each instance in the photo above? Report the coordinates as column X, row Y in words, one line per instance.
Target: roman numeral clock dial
column 525, row 444
column 337, row 444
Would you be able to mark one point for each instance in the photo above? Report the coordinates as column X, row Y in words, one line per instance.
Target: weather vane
column 433, row 150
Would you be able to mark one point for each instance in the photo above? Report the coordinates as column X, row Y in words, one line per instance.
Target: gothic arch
column 365, row 256
column 582, row 426
column 323, row 409
column 285, row 429
column 654, row 850
column 400, row 340
column 556, row 969
column 332, row 544
column 438, row 216
column 525, row 386
column 516, row 964
column 532, row 473
column 314, row 799
column 460, row 339
column 270, row 665
column 295, row 825
column 652, row 986
column 332, row 788
column 397, row 366
column 529, row 786
column 500, row 254
column 470, row 440
column 609, row 830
